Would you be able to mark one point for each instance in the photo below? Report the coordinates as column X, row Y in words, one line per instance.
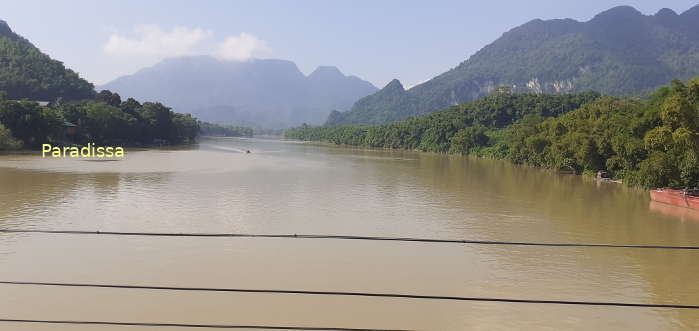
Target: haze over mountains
column 260, row 92
column 619, row 51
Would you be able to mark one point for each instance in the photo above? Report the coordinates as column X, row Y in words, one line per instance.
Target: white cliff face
column 556, row 86
column 563, row 86
column 535, row 86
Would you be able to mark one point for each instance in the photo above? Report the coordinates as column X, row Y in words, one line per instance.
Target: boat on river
column 681, row 198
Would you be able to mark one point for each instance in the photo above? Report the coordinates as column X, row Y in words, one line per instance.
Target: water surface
column 290, row 187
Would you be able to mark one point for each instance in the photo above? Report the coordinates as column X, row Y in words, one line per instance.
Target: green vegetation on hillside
column 435, row 132
column 26, row 72
column 652, row 143
column 105, row 120
column 619, row 52
column 77, row 114
column 211, row 129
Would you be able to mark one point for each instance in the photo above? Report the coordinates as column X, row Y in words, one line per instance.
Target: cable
column 207, row 326
column 360, row 294
column 343, row 237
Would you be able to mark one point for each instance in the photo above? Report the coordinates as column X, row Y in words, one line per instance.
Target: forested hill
column 434, row 132
column 618, row 52
column 26, row 72
column 99, row 118
column 651, row 143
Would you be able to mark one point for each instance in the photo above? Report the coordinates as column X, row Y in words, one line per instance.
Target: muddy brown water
column 291, row 187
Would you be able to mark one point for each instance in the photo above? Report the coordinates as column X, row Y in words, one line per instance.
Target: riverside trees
column 104, row 120
column 652, row 143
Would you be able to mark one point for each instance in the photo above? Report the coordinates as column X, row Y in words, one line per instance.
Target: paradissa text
column 86, row 151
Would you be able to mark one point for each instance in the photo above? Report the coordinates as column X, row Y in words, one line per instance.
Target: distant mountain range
column 619, row 52
column 26, row 72
column 264, row 93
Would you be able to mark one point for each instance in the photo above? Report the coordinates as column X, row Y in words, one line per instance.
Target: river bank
column 643, row 142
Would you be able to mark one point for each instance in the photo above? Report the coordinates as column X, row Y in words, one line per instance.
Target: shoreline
column 471, row 155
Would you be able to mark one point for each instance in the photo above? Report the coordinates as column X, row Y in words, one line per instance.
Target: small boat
column 681, row 198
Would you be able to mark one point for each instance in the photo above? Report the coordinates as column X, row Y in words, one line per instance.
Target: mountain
column 26, row 72
column 268, row 93
column 373, row 106
column 619, row 52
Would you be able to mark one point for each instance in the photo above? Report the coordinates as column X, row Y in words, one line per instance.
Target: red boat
column 680, row 198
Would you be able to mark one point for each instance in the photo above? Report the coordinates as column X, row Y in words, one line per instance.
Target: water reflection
column 683, row 214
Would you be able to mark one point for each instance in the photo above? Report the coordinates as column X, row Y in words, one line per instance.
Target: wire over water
column 359, row 294
column 344, row 237
column 176, row 325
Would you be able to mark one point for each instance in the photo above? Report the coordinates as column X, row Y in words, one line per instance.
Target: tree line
column 652, row 142
column 103, row 120
column 221, row 130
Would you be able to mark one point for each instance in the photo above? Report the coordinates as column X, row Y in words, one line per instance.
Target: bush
column 7, row 142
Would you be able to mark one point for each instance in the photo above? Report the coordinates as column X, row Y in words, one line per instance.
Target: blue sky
column 376, row 40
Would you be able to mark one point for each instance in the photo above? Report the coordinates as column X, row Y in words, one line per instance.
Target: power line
column 343, row 237
column 176, row 325
column 358, row 294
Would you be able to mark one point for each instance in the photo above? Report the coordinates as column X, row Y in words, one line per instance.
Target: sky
column 376, row 40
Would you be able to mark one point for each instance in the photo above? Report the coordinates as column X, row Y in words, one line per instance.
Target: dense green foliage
column 211, row 129
column 434, row 132
column 104, row 120
column 618, row 52
column 7, row 142
column 652, row 143
column 26, row 72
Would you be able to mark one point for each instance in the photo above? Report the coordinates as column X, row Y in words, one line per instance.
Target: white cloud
column 149, row 44
column 242, row 47
column 152, row 41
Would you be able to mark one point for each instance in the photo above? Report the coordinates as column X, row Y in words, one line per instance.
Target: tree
column 468, row 138
column 106, row 96
column 106, row 124
column 8, row 142
column 186, row 128
column 158, row 119
column 29, row 122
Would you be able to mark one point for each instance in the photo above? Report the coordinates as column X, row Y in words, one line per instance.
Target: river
column 287, row 187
